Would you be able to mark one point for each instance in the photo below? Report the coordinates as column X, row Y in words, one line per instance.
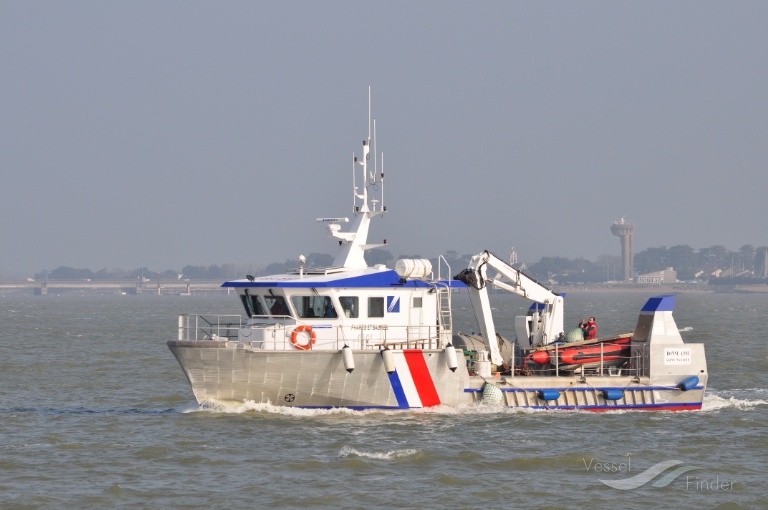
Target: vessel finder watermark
column 657, row 476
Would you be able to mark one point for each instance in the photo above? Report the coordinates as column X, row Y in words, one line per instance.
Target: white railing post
column 602, row 344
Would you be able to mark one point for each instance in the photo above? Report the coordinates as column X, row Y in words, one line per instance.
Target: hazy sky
column 166, row 133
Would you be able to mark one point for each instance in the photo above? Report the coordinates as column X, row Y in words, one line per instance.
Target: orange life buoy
column 295, row 338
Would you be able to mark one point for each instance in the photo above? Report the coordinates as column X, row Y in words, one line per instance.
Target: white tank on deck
column 482, row 365
column 413, row 268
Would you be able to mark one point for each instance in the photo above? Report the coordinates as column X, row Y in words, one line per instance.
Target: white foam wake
column 736, row 399
column 251, row 406
column 348, row 451
column 256, row 407
column 743, row 399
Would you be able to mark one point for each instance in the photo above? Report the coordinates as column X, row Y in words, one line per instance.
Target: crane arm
column 544, row 328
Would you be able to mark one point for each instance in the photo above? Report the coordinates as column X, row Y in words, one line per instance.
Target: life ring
column 295, row 338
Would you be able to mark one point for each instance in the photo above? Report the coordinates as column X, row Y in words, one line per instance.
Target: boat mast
column 353, row 242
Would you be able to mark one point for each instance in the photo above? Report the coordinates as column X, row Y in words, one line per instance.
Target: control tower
column 624, row 231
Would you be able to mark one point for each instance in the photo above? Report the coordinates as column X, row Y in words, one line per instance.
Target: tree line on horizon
column 748, row 265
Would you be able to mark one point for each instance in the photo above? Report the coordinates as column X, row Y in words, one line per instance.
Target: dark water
column 96, row 413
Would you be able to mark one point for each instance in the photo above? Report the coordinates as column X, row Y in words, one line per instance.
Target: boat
column 372, row 337
column 610, row 351
column 607, row 352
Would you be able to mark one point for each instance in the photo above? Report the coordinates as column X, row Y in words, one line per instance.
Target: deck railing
column 211, row 327
column 194, row 327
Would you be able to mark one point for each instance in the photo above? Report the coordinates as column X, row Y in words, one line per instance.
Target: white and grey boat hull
column 219, row 372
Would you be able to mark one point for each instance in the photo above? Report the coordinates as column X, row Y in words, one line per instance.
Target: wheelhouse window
column 350, row 305
column 314, row 307
column 375, row 307
column 277, row 305
column 252, row 304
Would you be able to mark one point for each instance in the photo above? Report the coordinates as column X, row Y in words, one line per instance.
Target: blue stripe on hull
column 397, row 387
column 638, row 407
column 644, row 388
column 620, row 407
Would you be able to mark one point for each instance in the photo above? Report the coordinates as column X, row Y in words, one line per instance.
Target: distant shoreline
column 211, row 286
column 666, row 289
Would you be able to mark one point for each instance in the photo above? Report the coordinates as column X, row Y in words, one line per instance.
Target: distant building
column 765, row 265
column 761, row 259
column 625, row 231
column 668, row 275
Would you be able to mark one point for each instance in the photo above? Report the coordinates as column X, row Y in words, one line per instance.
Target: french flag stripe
column 406, row 381
column 422, row 379
column 397, row 387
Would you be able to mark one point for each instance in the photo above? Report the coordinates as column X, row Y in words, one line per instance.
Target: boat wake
column 470, row 409
column 741, row 399
column 349, row 452
column 250, row 406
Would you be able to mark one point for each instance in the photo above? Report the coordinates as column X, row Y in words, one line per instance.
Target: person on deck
column 590, row 329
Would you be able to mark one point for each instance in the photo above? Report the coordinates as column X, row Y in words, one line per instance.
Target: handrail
column 193, row 327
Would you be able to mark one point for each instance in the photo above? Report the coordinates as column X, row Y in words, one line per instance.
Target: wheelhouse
column 363, row 309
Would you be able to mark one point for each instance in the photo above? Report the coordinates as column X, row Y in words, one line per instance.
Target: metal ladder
column 444, row 313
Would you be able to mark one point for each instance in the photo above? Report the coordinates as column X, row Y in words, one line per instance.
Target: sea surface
column 96, row 413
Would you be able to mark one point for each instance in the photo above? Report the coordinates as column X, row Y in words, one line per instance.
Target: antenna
column 374, row 176
column 383, row 207
column 369, row 113
column 353, row 242
column 370, row 178
column 354, row 184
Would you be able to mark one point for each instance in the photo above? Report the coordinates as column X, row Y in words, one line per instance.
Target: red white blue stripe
column 411, row 381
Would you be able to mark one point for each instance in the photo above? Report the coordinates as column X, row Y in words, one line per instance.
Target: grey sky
column 161, row 134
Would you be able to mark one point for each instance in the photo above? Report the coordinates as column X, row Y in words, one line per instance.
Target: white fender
column 349, row 360
column 450, row 355
column 389, row 360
